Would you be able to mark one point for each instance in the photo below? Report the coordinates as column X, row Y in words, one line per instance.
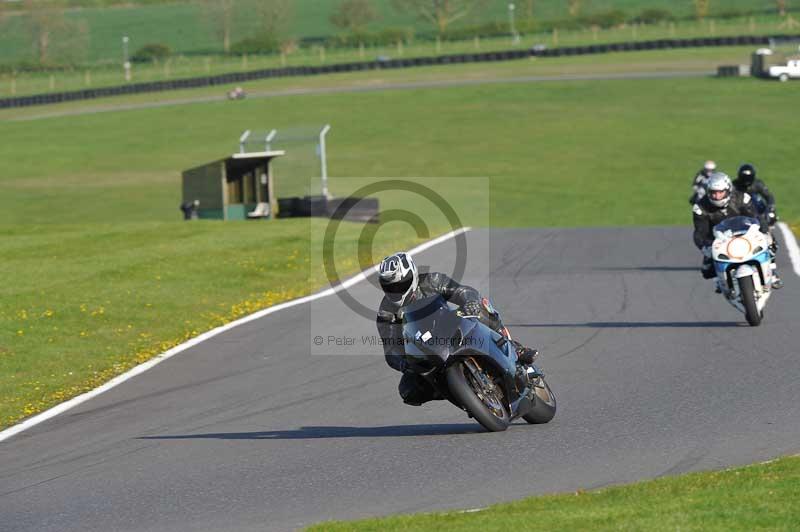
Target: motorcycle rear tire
column 748, row 294
column 466, row 396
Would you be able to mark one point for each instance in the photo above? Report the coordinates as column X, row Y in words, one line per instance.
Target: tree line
column 56, row 38
column 354, row 17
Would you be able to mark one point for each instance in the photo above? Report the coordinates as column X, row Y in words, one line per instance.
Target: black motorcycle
column 473, row 367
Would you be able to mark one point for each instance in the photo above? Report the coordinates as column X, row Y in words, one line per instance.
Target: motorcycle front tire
column 466, row 396
column 748, row 294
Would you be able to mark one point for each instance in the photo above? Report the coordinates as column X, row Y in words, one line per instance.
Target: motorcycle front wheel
column 748, row 293
column 484, row 403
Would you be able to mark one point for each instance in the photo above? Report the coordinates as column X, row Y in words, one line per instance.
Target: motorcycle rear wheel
column 465, row 389
column 748, row 293
column 544, row 403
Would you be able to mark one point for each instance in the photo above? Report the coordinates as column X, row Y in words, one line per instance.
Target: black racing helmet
column 746, row 175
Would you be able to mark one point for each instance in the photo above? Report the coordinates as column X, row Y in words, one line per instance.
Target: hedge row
column 237, row 77
column 498, row 28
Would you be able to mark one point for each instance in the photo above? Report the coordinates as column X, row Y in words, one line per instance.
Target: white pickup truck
column 784, row 72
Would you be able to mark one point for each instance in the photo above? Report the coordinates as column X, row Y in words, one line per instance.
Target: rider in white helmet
column 402, row 283
column 700, row 180
column 722, row 201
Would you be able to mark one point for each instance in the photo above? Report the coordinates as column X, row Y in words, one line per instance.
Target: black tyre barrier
column 502, row 55
column 355, row 209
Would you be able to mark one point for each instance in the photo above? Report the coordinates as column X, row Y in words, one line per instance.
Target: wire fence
column 385, row 63
column 300, row 169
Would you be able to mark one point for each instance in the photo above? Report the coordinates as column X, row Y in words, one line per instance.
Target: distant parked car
column 767, row 63
column 784, row 73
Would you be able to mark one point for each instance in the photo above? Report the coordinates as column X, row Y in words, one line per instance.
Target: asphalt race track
column 655, row 375
column 372, row 87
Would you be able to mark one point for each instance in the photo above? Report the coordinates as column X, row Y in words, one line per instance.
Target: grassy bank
column 763, row 497
column 104, row 275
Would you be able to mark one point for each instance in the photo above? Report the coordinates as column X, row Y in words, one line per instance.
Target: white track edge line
column 791, row 246
column 141, row 368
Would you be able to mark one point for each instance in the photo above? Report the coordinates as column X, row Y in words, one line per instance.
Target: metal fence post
column 242, row 140
column 324, row 159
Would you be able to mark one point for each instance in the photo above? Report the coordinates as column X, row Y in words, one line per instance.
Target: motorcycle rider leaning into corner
column 402, row 284
column 722, row 201
column 747, row 181
column 700, row 180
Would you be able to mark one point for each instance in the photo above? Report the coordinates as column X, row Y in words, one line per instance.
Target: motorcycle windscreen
column 737, row 225
column 430, row 327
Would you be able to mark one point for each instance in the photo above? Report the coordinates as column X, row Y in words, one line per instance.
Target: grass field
column 104, row 274
column 761, row 497
column 181, row 66
column 533, row 138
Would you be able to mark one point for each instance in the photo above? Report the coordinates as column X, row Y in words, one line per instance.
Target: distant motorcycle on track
column 473, row 367
column 743, row 260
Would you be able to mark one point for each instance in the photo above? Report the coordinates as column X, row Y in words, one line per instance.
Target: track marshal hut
column 239, row 187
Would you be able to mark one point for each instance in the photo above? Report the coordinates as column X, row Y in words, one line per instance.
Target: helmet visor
column 396, row 291
column 717, row 195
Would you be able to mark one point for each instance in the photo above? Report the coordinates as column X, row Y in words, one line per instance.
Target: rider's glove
column 472, row 308
column 706, row 252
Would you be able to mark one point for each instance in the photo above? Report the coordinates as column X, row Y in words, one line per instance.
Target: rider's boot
column 718, row 287
column 525, row 355
column 707, row 269
column 777, row 282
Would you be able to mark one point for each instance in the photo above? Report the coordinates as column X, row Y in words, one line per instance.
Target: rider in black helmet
column 746, row 181
column 402, row 283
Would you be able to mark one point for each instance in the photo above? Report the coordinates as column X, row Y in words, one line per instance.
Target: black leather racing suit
column 759, row 189
column 707, row 215
column 413, row 388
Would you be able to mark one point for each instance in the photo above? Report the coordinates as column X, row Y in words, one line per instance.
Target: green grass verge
column 88, row 205
column 758, row 497
column 88, row 302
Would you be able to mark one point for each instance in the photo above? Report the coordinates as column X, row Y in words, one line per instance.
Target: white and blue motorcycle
column 744, row 263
